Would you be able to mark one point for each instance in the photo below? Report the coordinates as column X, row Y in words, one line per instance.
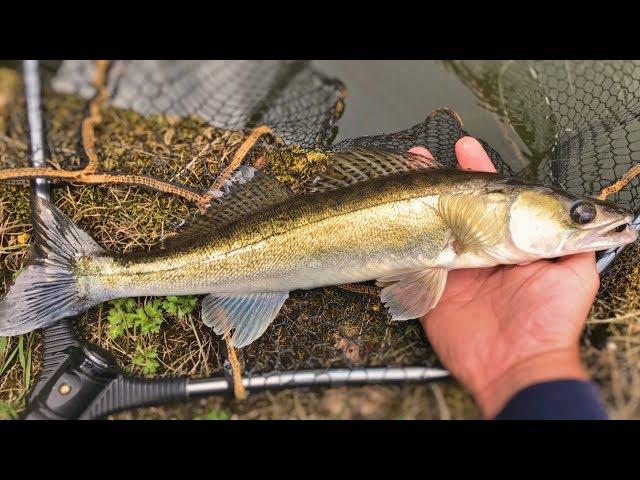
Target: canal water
column 385, row 96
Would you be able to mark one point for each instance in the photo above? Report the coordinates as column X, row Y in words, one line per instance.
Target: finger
column 471, row 155
column 422, row 151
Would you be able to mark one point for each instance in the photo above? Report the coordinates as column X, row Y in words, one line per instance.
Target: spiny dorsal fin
column 364, row 163
column 472, row 220
column 247, row 191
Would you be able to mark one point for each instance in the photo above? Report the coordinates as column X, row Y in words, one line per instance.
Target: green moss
column 294, row 165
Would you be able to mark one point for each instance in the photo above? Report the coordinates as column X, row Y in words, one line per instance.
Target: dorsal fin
column 247, row 191
column 364, row 163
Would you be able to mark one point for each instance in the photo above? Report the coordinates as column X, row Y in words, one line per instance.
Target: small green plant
column 149, row 317
column 215, row 414
column 126, row 313
column 6, row 356
column 135, row 317
column 122, row 316
column 180, row 306
column 4, row 341
column 146, row 359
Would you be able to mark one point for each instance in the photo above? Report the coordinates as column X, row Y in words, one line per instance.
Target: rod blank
column 34, row 116
column 333, row 377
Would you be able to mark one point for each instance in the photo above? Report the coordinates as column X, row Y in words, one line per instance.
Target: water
column 385, row 96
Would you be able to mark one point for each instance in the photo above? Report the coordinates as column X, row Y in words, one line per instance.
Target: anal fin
column 411, row 295
column 248, row 315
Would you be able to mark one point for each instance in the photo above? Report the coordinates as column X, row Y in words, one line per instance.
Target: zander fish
column 373, row 215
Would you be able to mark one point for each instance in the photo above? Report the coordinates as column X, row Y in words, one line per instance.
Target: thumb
column 471, row 155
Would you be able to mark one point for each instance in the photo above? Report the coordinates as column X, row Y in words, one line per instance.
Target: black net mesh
column 439, row 133
column 577, row 121
column 183, row 122
column 299, row 103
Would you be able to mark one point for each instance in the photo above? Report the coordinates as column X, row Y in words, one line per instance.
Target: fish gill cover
column 181, row 127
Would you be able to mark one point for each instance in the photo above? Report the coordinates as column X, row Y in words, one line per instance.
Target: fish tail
column 47, row 289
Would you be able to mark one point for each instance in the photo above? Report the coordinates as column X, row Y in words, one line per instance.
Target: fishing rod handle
column 126, row 392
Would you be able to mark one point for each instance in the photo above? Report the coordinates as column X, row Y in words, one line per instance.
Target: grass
column 215, row 414
column 323, row 328
column 613, row 349
column 17, row 372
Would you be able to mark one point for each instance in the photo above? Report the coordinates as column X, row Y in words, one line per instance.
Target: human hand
column 501, row 329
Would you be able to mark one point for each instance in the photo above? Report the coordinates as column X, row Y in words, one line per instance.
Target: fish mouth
column 612, row 234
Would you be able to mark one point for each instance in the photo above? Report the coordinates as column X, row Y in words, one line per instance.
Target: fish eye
column 582, row 212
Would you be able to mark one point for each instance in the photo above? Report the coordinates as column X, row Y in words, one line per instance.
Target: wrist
column 544, row 367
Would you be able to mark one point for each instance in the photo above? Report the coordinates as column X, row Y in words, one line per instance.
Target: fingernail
column 472, row 156
column 469, row 142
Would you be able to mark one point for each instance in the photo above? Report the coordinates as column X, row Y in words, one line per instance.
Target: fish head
column 548, row 222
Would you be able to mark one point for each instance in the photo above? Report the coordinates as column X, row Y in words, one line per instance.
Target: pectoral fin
column 474, row 222
column 411, row 295
column 248, row 315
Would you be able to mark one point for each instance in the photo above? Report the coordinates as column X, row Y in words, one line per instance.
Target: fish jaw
column 613, row 234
